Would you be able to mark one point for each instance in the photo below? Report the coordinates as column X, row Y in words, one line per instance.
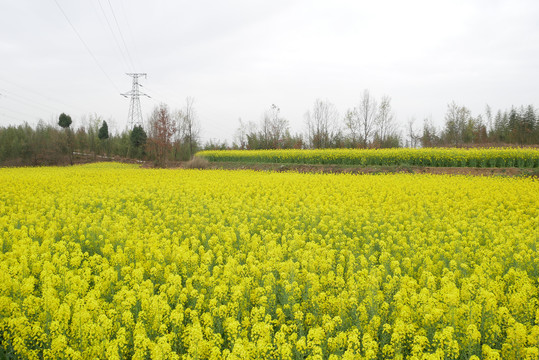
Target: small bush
column 197, row 163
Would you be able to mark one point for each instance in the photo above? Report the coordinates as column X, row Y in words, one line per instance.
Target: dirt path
column 338, row 169
column 328, row 169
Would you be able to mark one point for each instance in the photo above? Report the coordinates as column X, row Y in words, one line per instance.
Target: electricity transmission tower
column 134, row 117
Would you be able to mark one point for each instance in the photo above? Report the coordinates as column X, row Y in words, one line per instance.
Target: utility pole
column 134, row 118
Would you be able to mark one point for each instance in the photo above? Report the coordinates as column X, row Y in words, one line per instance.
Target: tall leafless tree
column 246, row 131
column 488, row 115
column 459, row 124
column 413, row 137
column 190, row 129
column 428, row 136
column 351, row 122
column 361, row 120
column 273, row 128
column 385, row 121
column 321, row 124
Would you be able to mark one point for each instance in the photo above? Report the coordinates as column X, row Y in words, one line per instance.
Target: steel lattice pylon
column 134, row 118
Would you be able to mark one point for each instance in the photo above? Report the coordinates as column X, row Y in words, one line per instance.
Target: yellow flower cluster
column 115, row 262
column 475, row 157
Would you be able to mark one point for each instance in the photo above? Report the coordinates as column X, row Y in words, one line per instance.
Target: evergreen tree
column 103, row 131
column 138, row 137
column 64, row 120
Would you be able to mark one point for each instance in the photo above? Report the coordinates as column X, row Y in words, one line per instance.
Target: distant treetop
column 64, row 120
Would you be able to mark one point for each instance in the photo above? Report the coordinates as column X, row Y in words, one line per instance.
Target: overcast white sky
column 236, row 58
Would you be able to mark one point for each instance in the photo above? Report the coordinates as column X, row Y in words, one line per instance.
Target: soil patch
column 80, row 158
column 340, row 169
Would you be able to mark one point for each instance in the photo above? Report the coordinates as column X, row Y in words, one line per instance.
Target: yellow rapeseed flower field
column 110, row 261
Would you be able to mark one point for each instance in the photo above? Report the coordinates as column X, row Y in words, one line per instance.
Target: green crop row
column 443, row 157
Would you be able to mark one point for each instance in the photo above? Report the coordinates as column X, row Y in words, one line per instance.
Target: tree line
column 517, row 126
column 372, row 124
column 58, row 144
column 369, row 124
column 168, row 135
column 175, row 135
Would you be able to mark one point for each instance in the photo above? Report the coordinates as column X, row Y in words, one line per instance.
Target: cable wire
column 26, row 101
column 12, row 117
column 19, row 112
column 29, row 103
column 129, row 29
column 121, row 35
column 86, row 46
column 114, row 35
column 40, row 94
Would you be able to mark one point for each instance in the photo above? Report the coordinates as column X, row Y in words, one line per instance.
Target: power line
column 13, row 117
column 159, row 98
column 130, row 31
column 39, row 94
column 86, row 46
column 19, row 112
column 23, row 100
column 28, row 103
column 121, row 35
column 113, row 34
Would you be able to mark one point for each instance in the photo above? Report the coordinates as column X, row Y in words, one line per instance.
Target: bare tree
column 178, row 143
column 386, row 129
column 428, row 136
column 245, row 134
column 361, row 120
column 190, row 127
column 488, row 114
column 240, row 136
column 92, row 130
column 459, row 125
column 351, row 121
column 367, row 116
column 413, row 137
column 321, row 124
column 273, row 128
